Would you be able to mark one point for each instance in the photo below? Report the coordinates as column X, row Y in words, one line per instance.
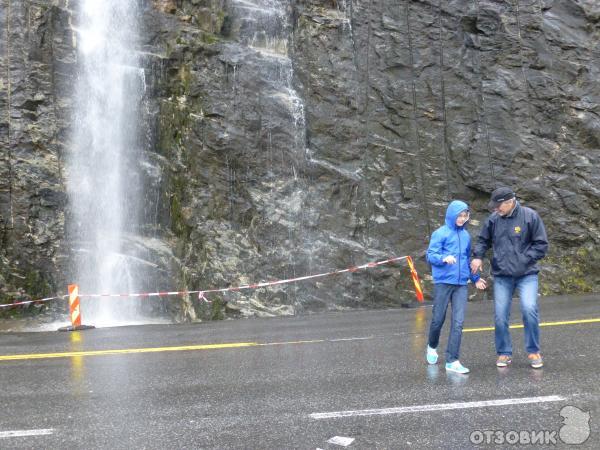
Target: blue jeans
column 443, row 294
column 504, row 288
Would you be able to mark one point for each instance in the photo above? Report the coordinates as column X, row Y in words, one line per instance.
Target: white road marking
column 341, row 440
column 22, row 433
column 437, row 407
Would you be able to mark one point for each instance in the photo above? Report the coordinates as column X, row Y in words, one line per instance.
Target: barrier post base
column 411, row 304
column 76, row 328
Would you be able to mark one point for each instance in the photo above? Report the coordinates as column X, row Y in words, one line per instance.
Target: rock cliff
column 287, row 138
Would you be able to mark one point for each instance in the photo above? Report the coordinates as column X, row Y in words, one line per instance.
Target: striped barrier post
column 415, row 278
column 75, row 311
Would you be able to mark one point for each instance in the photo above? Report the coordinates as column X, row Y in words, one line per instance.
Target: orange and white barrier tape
column 75, row 311
column 29, row 302
column 306, row 277
column 202, row 293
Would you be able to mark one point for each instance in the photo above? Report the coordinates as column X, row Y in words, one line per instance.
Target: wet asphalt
column 270, row 396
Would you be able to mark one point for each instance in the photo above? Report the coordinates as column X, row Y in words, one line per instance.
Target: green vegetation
column 33, row 285
column 209, row 38
column 36, row 285
column 576, row 278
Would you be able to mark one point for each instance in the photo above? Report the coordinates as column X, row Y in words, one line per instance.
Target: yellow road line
column 543, row 324
column 148, row 350
column 232, row 344
column 127, row 351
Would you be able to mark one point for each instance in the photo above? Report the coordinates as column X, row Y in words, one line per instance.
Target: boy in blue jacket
column 448, row 254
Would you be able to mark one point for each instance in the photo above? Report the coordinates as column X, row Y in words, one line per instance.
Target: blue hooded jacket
column 451, row 239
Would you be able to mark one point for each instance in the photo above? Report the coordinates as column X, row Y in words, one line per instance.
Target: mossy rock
column 212, row 310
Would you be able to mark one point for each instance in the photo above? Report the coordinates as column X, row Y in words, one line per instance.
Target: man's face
column 505, row 207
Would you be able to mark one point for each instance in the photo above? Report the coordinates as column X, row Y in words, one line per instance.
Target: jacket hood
column 454, row 209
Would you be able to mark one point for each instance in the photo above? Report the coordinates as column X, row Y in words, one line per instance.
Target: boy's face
column 462, row 218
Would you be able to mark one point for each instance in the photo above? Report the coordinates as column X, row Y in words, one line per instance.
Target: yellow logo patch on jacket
column 517, row 230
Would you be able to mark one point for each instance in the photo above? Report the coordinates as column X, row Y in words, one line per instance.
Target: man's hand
column 476, row 265
column 449, row 259
column 480, row 284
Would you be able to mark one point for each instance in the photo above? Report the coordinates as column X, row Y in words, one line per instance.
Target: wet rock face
column 287, row 139
column 36, row 56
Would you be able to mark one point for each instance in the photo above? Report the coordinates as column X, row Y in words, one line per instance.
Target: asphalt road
column 298, row 382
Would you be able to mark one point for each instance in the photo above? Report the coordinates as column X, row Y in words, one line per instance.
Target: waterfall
column 103, row 177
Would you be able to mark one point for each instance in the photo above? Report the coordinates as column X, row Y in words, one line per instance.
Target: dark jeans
column 442, row 295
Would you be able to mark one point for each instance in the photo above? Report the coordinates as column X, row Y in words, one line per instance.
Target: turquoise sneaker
column 432, row 355
column 457, row 367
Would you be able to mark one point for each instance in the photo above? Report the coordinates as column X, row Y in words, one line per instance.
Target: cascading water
column 103, row 183
column 264, row 29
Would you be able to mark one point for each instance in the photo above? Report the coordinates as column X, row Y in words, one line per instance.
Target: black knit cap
column 500, row 195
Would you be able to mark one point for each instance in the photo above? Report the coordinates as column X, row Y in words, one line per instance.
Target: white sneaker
column 432, row 355
column 457, row 367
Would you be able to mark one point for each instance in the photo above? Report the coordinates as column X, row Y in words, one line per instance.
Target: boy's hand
column 476, row 265
column 480, row 284
column 449, row 259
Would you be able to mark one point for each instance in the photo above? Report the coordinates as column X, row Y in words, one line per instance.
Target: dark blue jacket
column 451, row 240
column 519, row 241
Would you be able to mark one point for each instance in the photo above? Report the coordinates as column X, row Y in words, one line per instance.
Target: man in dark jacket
column 518, row 238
